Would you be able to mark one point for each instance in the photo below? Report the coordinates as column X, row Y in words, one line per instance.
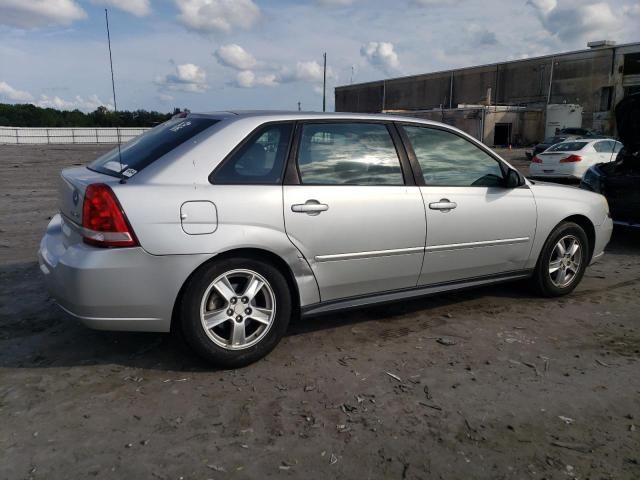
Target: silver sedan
column 226, row 225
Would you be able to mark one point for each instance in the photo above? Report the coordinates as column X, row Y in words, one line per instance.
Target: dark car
column 619, row 181
column 561, row 136
column 549, row 142
column 582, row 132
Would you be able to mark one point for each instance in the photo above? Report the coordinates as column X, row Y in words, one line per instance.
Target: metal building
column 511, row 102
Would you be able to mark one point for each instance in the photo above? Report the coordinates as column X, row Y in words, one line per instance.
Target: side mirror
column 513, row 179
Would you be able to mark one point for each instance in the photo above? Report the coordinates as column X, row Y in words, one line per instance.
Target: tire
column 548, row 279
column 246, row 321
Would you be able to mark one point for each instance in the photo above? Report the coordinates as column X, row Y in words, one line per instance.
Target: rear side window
column 348, row 154
column 150, row 146
column 259, row 160
column 603, row 147
column 567, row 147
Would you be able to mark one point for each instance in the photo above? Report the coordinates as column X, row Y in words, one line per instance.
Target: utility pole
column 351, row 79
column 324, row 84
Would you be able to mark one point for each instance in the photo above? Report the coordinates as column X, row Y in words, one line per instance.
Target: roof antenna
column 113, row 89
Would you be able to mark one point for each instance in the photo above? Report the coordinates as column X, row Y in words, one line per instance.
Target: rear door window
column 348, row 154
column 142, row 151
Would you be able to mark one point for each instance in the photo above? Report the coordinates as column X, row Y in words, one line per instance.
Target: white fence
column 30, row 136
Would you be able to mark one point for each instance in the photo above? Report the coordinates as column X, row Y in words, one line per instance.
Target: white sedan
column 572, row 158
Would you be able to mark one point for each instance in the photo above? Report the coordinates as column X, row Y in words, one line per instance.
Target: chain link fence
column 31, row 136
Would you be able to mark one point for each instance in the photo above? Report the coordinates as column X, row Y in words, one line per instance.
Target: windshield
column 150, row 146
column 567, row 147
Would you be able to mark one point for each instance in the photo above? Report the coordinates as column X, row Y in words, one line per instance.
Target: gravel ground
column 493, row 383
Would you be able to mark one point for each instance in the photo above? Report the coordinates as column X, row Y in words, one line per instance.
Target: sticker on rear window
column 180, row 126
column 129, row 172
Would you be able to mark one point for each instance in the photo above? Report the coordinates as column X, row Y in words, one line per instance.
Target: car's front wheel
column 562, row 261
column 235, row 311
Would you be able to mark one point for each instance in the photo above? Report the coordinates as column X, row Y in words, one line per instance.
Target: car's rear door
column 352, row 208
column 476, row 227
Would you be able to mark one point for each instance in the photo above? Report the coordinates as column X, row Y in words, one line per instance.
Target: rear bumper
column 566, row 171
column 113, row 289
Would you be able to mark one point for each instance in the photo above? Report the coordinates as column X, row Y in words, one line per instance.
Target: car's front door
column 354, row 210
column 476, row 226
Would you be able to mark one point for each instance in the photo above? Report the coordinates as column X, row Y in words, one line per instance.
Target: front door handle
column 310, row 207
column 444, row 205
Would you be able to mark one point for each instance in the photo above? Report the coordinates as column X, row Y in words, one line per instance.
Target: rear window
column 150, row 146
column 567, row 147
column 552, row 140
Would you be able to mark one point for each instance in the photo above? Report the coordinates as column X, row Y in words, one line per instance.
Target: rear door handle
column 443, row 205
column 310, row 207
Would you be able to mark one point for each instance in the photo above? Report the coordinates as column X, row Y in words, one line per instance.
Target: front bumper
column 112, row 288
column 603, row 236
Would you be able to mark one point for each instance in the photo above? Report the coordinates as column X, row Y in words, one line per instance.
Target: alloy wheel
column 565, row 261
column 238, row 309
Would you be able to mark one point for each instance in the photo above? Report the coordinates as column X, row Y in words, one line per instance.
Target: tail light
column 571, row 159
column 536, row 159
column 104, row 223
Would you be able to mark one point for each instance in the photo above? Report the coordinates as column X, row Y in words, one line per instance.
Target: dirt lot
column 522, row 387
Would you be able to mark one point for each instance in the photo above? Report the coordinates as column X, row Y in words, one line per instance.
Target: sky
column 208, row 55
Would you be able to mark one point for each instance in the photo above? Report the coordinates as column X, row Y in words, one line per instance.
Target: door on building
column 502, row 134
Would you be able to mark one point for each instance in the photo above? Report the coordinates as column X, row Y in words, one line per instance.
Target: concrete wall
column 526, row 125
column 578, row 77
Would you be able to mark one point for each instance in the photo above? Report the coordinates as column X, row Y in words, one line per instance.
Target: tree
column 27, row 115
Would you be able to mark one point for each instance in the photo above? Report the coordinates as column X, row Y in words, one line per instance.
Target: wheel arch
column 253, row 253
column 588, row 227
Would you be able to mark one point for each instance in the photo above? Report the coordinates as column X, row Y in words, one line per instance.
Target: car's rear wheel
column 235, row 311
column 562, row 261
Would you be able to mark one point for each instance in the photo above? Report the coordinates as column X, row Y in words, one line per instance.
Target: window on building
column 632, row 64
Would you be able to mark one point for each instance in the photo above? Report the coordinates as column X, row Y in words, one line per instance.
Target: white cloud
column 434, row 3
column 8, row 93
column 187, row 77
column 249, row 79
column 139, row 8
column 480, row 35
column 235, row 56
column 218, row 15
column 310, row 71
column 336, row 3
column 381, row 55
column 87, row 104
column 165, row 97
column 571, row 20
column 632, row 10
column 39, row 13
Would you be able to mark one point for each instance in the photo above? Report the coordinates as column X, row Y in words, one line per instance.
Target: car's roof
column 586, row 140
column 295, row 115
